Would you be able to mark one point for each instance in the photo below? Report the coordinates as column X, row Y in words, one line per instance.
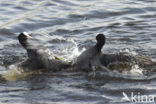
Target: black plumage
column 40, row 57
column 90, row 57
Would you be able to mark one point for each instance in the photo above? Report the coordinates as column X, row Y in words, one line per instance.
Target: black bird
column 40, row 57
column 89, row 59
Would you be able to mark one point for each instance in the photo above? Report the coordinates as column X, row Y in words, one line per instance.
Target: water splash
column 135, row 71
column 14, row 73
column 131, row 52
column 71, row 53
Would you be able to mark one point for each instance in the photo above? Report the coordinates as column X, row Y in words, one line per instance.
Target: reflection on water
column 67, row 27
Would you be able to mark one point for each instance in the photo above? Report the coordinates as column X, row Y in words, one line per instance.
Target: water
column 66, row 27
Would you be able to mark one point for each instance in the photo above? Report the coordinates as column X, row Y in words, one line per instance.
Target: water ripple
column 67, row 27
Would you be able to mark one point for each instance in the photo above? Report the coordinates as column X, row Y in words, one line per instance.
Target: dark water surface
column 66, row 25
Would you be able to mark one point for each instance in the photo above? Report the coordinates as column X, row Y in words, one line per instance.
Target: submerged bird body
column 125, row 61
column 106, row 59
column 40, row 57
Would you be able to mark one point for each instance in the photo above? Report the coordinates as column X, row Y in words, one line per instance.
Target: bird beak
column 29, row 37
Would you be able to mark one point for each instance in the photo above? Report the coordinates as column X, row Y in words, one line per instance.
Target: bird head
column 23, row 37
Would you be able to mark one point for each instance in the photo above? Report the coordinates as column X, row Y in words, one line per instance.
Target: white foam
column 135, row 71
column 57, row 37
column 154, row 60
column 129, row 51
